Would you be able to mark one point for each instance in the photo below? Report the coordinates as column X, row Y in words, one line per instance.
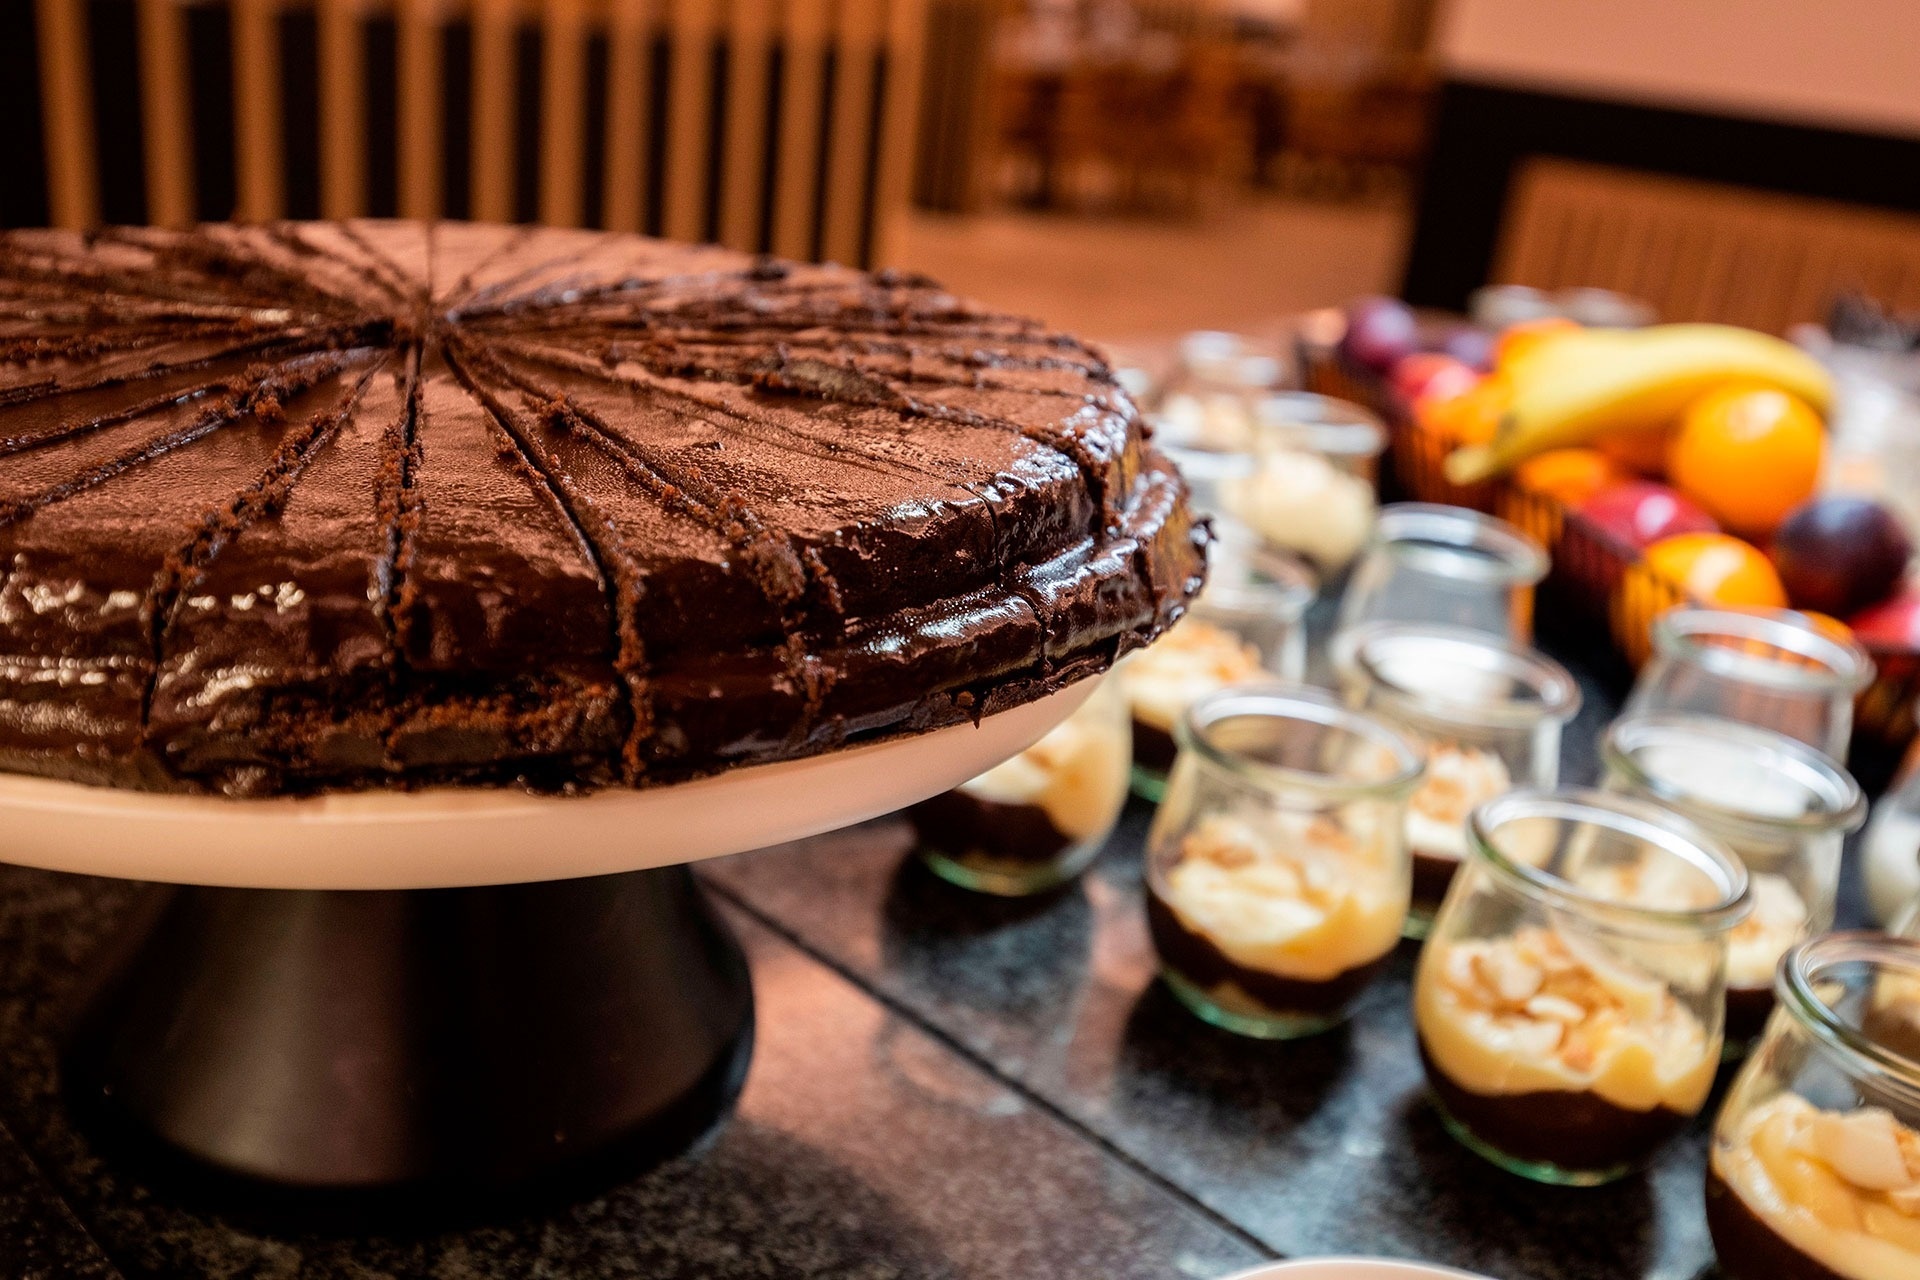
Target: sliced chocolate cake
column 339, row 505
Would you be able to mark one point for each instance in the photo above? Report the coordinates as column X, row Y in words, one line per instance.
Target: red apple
column 1893, row 623
column 1429, row 372
column 1641, row 513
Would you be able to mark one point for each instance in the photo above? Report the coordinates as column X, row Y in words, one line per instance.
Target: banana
column 1573, row 387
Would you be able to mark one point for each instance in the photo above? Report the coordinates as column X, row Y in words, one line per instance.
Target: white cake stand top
column 452, row 837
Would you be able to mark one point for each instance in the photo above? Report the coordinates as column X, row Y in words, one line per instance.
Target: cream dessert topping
column 1543, row 1009
column 1459, row 779
column 1298, row 896
column 1301, row 501
column 1778, row 921
column 1843, row 1187
column 1755, row 945
column 1077, row 774
column 1193, row 659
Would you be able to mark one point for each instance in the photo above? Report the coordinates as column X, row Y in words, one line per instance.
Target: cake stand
column 445, row 1001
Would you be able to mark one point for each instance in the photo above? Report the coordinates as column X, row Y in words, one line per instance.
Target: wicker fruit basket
column 1593, row 571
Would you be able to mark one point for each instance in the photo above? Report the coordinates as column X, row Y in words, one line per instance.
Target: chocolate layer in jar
column 1747, row 1248
column 332, row 506
column 1063, row 792
column 1575, row 1129
column 1195, row 957
column 1293, row 913
column 1153, row 747
column 1748, row 1009
column 959, row 824
column 1432, row 877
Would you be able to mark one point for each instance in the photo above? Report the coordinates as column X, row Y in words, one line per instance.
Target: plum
column 1379, row 332
column 1838, row 554
column 1641, row 513
column 1469, row 344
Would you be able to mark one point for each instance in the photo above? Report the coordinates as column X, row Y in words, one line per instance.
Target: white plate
column 452, row 837
column 1352, row 1269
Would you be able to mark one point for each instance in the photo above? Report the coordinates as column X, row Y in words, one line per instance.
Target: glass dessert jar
column 1487, row 713
column 1784, row 809
column 1246, row 627
column 1567, row 1029
column 1815, row 1165
column 1277, row 877
column 1892, row 845
column 1309, row 488
column 1207, row 402
column 1429, row 563
column 1039, row 819
column 1772, row 668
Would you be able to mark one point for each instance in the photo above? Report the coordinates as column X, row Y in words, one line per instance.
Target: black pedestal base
column 344, row 1054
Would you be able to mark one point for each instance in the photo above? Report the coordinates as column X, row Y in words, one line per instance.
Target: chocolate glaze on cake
column 1564, row 1127
column 342, row 505
column 1201, row 962
column 1749, row 1249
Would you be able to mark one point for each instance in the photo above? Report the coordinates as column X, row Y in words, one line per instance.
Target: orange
column 1516, row 340
column 1749, row 455
column 1642, row 452
column 1717, row 569
column 1570, row 476
column 1472, row 417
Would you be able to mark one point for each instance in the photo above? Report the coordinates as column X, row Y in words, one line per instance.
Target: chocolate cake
column 314, row 506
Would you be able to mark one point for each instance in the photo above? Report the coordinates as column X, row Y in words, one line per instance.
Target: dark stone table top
column 944, row 1086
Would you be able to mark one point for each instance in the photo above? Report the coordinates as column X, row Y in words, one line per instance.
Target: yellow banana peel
column 1578, row 386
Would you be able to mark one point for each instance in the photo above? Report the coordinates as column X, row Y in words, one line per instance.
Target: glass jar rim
column 1833, row 665
column 1796, row 984
column 1339, row 428
column 1558, row 693
column 1198, row 462
column 1411, row 530
column 1843, row 805
column 1649, row 823
column 1192, row 735
column 1283, row 588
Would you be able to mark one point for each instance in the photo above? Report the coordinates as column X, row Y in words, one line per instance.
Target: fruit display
column 1661, row 464
column 1572, row 386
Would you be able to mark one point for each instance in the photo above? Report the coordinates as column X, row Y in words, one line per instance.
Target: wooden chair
column 784, row 126
column 1701, row 250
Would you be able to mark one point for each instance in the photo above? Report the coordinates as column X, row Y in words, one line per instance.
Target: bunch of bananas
column 1575, row 386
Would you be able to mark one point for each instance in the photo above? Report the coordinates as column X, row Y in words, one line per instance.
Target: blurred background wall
column 1118, row 166
column 1851, row 64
